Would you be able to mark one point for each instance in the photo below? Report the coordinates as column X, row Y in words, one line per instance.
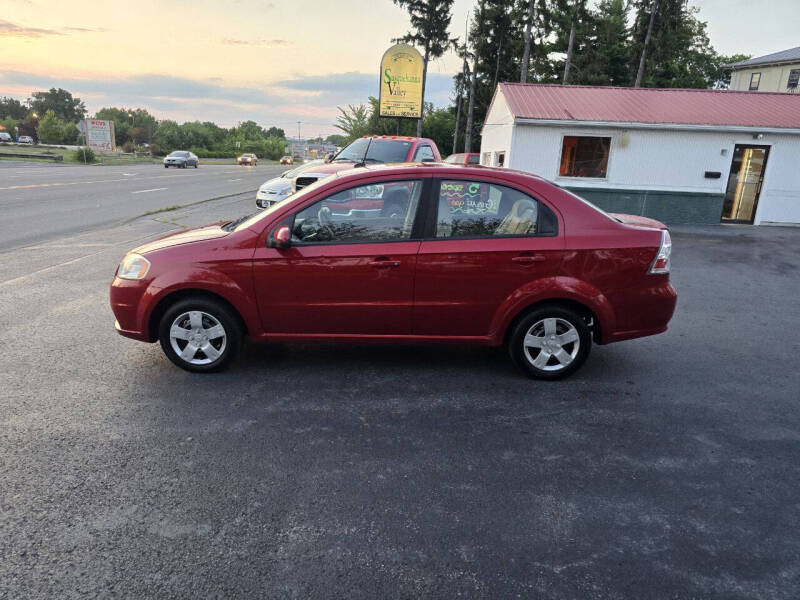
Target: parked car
column 181, row 159
column 464, row 158
column 481, row 256
column 287, row 160
column 279, row 188
column 370, row 150
column 25, row 139
column 5, row 137
column 248, row 159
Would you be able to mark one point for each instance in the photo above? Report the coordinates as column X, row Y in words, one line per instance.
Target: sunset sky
column 274, row 62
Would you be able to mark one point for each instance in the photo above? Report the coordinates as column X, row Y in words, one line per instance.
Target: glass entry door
column 744, row 183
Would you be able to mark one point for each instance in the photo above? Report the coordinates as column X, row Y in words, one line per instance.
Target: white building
column 680, row 156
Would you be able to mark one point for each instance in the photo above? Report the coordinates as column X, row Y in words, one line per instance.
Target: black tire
column 217, row 311
column 166, row 166
column 195, row 165
column 551, row 366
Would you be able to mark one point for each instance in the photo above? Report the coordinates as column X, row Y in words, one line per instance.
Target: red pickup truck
column 373, row 150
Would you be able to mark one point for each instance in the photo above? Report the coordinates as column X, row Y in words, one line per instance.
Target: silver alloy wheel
column 197, row 337
column 551, row 344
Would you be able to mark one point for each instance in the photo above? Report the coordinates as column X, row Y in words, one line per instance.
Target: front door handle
column 383, row 262
column 529, row 259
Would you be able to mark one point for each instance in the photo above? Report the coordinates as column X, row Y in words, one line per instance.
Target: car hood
column 328, row 168
column 638, row 221
column 277, row 185
column 188, row 236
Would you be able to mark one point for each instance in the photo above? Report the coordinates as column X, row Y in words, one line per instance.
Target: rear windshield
column 586, row 202
column 375, row 150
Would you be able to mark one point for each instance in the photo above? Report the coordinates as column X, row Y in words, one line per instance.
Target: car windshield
column 179, row 153
column 375, row 150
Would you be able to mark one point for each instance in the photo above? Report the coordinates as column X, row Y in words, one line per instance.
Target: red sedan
column 476, row 255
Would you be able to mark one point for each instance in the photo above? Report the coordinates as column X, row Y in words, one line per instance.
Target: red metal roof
column 652, row 105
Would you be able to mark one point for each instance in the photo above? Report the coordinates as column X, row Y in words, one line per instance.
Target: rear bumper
column 643, row 311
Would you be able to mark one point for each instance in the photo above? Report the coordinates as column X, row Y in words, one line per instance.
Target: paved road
column 668, row 467
column 42, row 202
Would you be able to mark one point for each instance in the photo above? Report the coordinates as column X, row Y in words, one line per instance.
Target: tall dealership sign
column 401, row 83
column 99, row 134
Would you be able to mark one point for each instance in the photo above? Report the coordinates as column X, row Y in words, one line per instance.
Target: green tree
column 612, row 43
column 354, row 121
column 336, row 139
column 430, row 20
column 11, row 108
column 276, row 132
column 722, row 76
column 51, row 129
column 60, row 102
column 250, row 130
column 440, row 126
column 168, row 136
column 679, row 53
column 126, row 119
column 69, row 134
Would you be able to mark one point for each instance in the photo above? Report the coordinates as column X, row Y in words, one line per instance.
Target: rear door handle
column 383, row 262
column 529, row 259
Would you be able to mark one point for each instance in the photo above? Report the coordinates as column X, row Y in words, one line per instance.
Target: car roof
column 440, row 169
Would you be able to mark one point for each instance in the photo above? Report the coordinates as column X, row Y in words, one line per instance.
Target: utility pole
column 461, row 87
column 643, row 57
column 471, row 110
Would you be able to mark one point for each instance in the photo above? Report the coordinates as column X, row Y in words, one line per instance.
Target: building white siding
column 498, row 134
column 656, row 160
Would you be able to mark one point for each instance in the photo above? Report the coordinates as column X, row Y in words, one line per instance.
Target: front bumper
column 128, row 302
column 267, row 199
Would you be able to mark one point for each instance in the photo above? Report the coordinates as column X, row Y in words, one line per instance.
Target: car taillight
column 661, row 263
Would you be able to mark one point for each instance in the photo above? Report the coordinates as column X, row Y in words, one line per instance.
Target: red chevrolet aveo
column 449, row 254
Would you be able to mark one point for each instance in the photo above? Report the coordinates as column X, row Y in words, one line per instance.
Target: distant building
column 777, row 72
column 680, row 156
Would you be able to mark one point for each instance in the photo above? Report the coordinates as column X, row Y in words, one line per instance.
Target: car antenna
column 363, row 162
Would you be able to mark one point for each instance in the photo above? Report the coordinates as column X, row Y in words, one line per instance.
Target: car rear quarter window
column 481, row 209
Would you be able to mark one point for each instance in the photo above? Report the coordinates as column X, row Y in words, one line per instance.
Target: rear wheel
column 550, row 342
column 200, row 335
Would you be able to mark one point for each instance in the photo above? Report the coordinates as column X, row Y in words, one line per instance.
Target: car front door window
column 378, row 212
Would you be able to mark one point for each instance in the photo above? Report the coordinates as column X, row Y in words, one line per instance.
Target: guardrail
column 55, row 157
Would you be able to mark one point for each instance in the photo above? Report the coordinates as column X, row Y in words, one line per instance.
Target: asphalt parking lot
column 668, row 467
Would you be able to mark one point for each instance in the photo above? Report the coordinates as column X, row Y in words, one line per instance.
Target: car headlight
column 133, row 266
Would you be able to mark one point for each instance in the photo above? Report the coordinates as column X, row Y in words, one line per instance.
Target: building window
column 500, row 159
column 487, row 159
column 755, row 79
column 794, row 76
column 584, row 156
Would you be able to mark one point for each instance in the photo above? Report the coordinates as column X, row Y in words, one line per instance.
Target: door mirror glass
column 281, row 237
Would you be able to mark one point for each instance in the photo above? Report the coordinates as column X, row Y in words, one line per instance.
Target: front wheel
column 200, row 335
column 550, row 342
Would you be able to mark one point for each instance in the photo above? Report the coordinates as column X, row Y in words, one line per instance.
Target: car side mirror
column 280, row 238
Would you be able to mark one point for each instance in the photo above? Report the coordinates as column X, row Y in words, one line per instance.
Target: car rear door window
column 376, row 212
column 481, row 209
